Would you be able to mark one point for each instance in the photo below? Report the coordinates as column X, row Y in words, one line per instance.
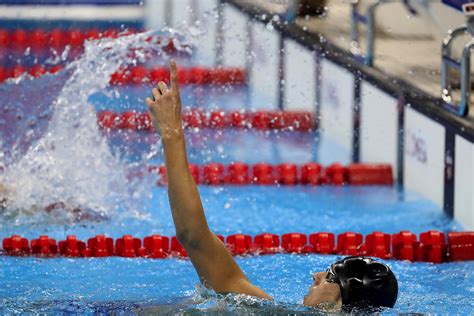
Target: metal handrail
column 463, row 65
column 369, row 21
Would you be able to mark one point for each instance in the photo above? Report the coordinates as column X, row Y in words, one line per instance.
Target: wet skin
column 322, row 291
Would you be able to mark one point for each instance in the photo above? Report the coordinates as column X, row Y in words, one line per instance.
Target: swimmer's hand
column 165, row 109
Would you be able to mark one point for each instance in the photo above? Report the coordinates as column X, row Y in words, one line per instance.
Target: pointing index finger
column 174, row 76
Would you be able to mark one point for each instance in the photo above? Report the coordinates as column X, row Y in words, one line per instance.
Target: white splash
column 72, row 163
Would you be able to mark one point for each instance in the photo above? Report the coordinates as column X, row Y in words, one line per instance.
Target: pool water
column 119, row 285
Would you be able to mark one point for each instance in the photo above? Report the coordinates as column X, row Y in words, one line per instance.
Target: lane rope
column 143, row 75
column 196, row 118
column 432, row 246
column 311, row 174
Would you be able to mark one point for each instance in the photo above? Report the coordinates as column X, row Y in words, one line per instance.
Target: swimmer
column 351, row 282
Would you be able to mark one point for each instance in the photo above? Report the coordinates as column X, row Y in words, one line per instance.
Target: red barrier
column 266, row 243
column 76, row 38
column 192, row 75
column 145, row 122
column 239, row 244
column 3, row 74
column 37, row 71
column 37, row 39
column 44, row 246
column 300, row 121
column 129, row 247
column 159, row 74
column 373, row 174
column 377, row 244
column 100, row 246
column 404, row 246
column 213, row 174
column 129, row 120
column 195, row 118
column 263, row 174
column 177, row 249
column 217, row 119
column 240, row 119
column 109, row 119
column 261, row 120
column 16, row 246
column 4, row 38
column 156, row 246
column 92, row 34
column 295, row 243
column 237, row 173
column 17, row 71
column 287, row 174
column 433, row 247
column 71, row 247
column 195, row 173
column 19, row 39
column 349, row 243
column 461, row 246
column 311, row 173
column 57, row 39
column 336, row 174
column 322, row 243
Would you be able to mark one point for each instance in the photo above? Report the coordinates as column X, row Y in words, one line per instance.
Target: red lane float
column 129, row 247
column 295, row 243
column 377, row 244
column 349, row 243
column 362, row 174
column 301, row 121
column 44, row 246
column 177, row 249
column 404, row 246
column 238, row 173
column 239, row 244
column 71, row 247
column 192, row 75
column 156, row 246
column 461, row 246
column 322, row 243
column 58, row 38
column 35, row 71
column 431, row 247
column 16, row 246
column 100, row 246
column 267, row 243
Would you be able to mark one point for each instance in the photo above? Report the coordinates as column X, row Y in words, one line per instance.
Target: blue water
column 123, row 285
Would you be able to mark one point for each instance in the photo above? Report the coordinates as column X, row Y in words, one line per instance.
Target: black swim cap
column 364, row 282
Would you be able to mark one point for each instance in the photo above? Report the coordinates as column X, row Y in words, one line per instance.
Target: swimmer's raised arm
column 214, row 264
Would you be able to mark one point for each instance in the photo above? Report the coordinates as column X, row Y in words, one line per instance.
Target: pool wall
column 375, row 117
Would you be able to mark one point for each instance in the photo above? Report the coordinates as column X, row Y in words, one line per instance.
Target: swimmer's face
column 322, row 291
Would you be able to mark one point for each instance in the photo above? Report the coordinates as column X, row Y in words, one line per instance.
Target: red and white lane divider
column 58, row 38
column 35, row 71
column 191, row 75
column 142, row 75
column 432, row 246
column 284, row 174
column 260, row 120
